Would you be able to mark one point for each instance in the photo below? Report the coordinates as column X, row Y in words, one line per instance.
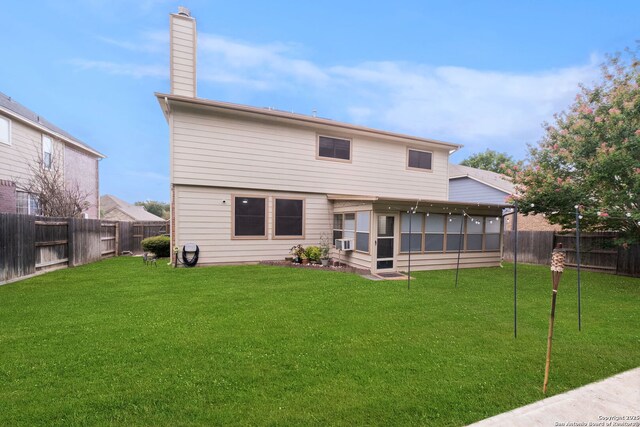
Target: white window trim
column 43, row 151
column 8, row 141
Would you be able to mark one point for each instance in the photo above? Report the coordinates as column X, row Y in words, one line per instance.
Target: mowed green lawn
column 119, row 343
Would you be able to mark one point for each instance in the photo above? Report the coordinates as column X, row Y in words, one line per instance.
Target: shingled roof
column 137, row 213
column 491, row 179
column 8, row 103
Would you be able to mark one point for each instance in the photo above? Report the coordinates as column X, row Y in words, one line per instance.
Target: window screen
column 363, row 223
column 493, row 226
column 349, row 226
column 47, row 150
column 434, row 233
column 420, row 159
column 250, row 214
column 334, row 148
column 474, row 233
column 337, row 227
column 289, row 217
column 411, row 240
column 454, row 237
column 5, row 131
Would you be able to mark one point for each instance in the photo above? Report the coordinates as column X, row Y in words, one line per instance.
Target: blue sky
column 485, row 74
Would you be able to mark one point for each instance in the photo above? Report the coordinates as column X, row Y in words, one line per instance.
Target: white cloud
column 480, row 108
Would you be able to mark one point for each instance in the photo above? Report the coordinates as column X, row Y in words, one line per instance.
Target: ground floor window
column 363, row 224
column 27, row 203
column 250, row 215
column 352, row 225
column 289, row 218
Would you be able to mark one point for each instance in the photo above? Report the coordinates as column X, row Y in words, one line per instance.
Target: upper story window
column 5, row 130
column 334, row 148
column 418, row 159
column 250, row 217
column 47, row 152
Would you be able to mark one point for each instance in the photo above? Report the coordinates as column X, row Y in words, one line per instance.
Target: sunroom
column 386, row 234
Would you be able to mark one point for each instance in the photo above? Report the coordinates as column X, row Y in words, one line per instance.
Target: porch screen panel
column 454, row 238
column 493, row 227
column 363, row 225
column 434, row 233
column 411, row 240
column 249, row 217
column 474, row 233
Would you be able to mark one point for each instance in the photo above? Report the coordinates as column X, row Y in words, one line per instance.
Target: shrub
column 314, row 253
column 159, row 245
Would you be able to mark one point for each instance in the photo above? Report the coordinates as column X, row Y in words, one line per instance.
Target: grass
column 116, row 343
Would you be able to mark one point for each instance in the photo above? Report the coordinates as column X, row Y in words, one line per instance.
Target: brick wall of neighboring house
column 83, row 169
column 7, row 196
column 533, row 223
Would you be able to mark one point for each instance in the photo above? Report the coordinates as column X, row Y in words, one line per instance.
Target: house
column 467, row 184
column 117, row 209
column 249, row 183
column 27, row 139
column 471, row 184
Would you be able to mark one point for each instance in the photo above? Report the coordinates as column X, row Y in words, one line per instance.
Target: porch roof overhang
column 422, row 203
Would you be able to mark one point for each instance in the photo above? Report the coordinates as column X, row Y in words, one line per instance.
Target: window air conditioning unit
column 344, row 244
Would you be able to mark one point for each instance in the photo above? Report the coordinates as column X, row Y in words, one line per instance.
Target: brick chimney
column 182, row 29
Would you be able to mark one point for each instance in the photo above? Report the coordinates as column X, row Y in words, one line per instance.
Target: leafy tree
column 160, row 209
column 590, row 157
column 493, row 161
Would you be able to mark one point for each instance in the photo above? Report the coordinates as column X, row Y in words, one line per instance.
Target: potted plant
column 297, row 251
column 325, row 248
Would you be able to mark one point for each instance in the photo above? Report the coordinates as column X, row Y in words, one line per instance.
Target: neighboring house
column 117, row 209
column 27, row 139
column 249, row 183
column 467, row 184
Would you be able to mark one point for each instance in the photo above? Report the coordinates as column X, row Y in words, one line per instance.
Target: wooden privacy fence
column 30, row 244
column 598, row 251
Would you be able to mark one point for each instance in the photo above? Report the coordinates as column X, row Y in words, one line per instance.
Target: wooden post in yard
column 557, row 267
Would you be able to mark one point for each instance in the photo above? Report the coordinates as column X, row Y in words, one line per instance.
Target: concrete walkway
column 611, row 402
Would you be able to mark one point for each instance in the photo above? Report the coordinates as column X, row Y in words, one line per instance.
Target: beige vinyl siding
column 440, row 261
column 183, row 56
column 25, row 150
column 204, row 217
column 353, row 258
column 219, row 150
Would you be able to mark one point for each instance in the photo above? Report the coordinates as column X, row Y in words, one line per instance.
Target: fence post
column 117, row 236
column 70, row 245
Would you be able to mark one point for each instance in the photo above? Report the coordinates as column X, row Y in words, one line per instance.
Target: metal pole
column 459, row 249
column 578, row 265
column 409, row 272
column 515, row 271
